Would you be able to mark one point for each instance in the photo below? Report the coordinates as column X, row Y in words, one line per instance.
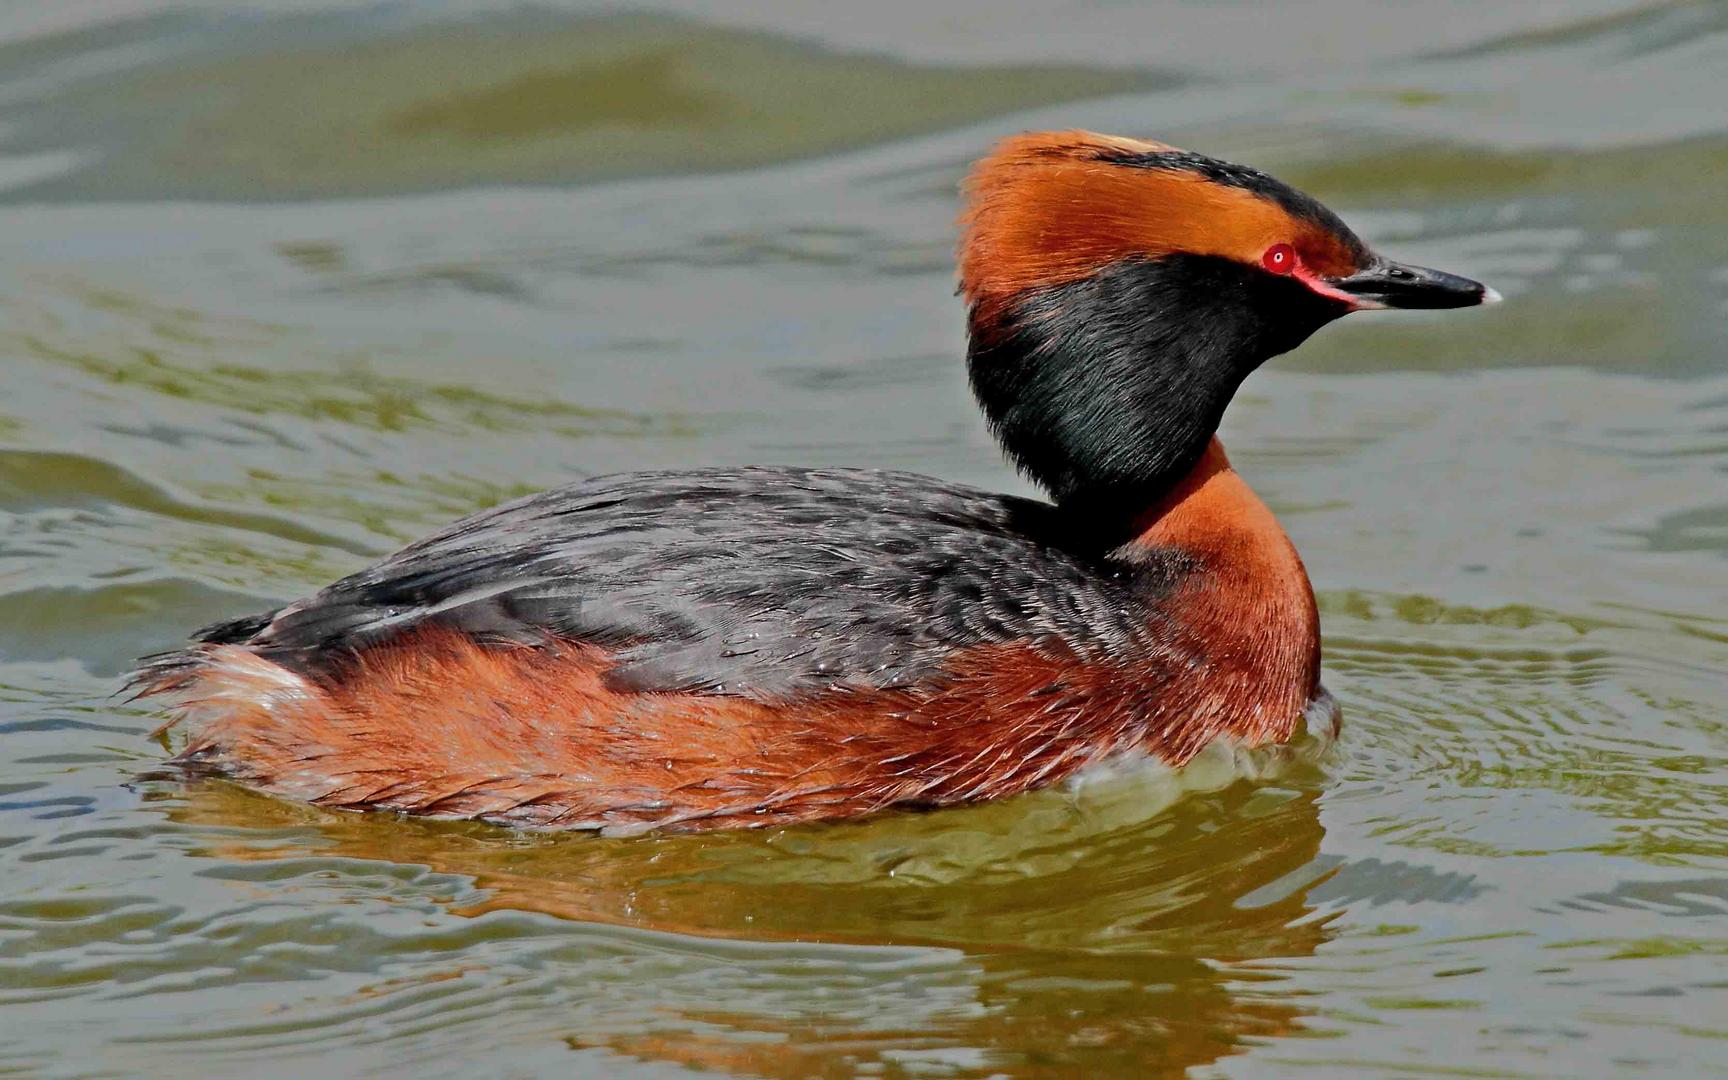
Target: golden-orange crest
column 1046, row 208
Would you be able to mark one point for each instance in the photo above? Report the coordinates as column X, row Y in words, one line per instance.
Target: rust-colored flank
column 435, row 722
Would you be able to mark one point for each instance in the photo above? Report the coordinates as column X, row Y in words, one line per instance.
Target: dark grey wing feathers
column 758, row 582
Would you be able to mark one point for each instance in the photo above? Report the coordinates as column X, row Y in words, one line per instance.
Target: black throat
column 1106, row 390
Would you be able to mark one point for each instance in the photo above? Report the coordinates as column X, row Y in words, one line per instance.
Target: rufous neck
column 1246, row 602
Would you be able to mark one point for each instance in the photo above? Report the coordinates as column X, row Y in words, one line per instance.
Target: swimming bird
column 762, row 646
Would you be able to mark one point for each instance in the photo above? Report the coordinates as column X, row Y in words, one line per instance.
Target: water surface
column 284, row 285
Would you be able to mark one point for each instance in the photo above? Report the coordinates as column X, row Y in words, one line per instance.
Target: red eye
column 1279, row 258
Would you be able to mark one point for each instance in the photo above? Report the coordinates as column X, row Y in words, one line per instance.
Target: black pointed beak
column 1387, row 284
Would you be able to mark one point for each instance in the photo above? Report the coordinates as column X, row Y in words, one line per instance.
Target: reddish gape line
column 742, row 647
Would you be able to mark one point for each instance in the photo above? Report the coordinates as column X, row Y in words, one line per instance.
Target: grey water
column 284, row 285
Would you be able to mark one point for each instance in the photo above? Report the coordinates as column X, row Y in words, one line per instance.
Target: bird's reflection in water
column 1031, row 937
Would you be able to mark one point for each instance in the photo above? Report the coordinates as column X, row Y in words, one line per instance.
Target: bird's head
column 1119, row 291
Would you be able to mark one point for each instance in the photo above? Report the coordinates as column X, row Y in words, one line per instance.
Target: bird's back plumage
column 755, row 582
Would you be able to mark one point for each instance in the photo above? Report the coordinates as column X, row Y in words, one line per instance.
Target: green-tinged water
column 283, row 285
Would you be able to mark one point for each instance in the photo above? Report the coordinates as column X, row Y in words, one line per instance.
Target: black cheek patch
column 1106, row 390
